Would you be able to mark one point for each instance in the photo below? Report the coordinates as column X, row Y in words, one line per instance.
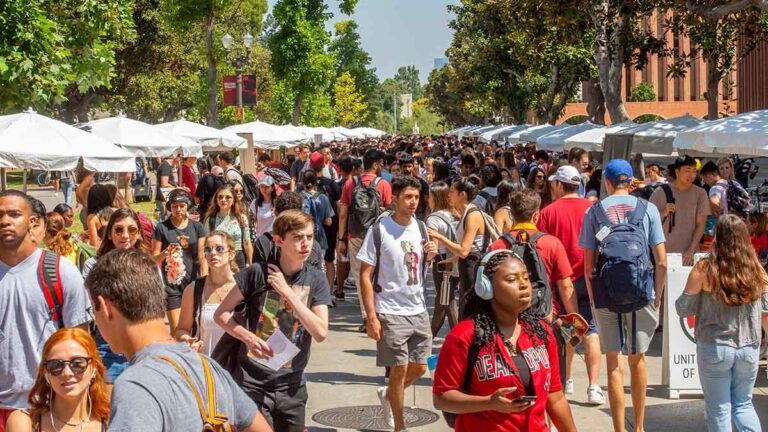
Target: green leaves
column 349, row 103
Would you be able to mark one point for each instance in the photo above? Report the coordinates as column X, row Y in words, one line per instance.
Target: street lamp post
column 238, row 60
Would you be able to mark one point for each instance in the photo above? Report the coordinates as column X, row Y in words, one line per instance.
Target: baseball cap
column 316, row 161
column 266, row 181
column 217, row 170
column 618, row 171
column 566, row 174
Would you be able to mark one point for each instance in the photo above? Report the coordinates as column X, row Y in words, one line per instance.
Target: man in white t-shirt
column 717, row 188
column 394, row 298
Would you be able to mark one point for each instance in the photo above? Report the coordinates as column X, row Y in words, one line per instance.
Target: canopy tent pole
column 24, row 180
column 3, row 180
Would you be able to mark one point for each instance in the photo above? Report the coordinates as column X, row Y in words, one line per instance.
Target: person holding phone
column 508, row 354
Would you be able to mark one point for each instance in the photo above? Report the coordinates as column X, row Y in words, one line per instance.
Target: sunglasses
column 539, row 177
column 77, row 365
column 132, row 230
column 218, row 249
column 238, row 191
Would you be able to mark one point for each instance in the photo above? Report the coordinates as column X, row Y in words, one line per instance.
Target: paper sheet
column 284, row 351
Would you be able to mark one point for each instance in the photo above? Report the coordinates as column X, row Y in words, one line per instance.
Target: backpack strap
column 670, row 200
column 640, row 208
column 204, row 414
column 472, row 355
column 212, row 224
column 197, row 304
column 424, row 238
column 600, row 214
column 486, row 234
column 536, row 236
column 50, row 283
column 377, row 246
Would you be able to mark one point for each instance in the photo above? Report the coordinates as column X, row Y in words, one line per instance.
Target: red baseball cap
column 316, row 161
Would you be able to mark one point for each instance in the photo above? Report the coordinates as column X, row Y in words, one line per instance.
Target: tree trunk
column 713, row 84
column 213, row 87
column 297, row 109
column 595, row 102
column 610, row 54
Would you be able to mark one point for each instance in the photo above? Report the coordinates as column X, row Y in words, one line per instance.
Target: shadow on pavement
column 342, row 378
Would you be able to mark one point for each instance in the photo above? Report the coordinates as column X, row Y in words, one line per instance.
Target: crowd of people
column 205, row 314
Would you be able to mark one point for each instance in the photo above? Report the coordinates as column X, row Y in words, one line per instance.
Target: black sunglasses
column 78, row 365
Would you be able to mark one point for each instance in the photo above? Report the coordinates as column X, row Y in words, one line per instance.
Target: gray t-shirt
column 26, row 323
column 716, row 322
column 151, row 395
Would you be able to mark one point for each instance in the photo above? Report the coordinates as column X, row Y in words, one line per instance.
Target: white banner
column 680, row 372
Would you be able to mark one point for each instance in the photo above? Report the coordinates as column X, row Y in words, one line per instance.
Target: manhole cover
column 370, row 417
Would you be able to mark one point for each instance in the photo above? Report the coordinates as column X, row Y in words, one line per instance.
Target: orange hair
column 39, row 396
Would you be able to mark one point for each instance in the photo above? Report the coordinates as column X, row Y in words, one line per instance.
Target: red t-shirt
column 494, row 370
column 385, row 190
column 563, row 219
column 188, row 179
column 759, row 242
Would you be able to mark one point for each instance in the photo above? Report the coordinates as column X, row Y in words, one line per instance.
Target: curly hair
column 732, row 269
column 484, row 320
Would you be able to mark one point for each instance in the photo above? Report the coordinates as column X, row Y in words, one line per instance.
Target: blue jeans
column 67, row 187
column 727, row 378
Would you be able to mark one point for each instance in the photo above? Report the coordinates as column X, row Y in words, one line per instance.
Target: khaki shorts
column 628, row 333
column 404, row 340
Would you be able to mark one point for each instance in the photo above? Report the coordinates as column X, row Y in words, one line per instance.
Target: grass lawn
column 15, row 179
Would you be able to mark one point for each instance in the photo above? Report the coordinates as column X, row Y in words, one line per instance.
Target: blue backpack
column 624, row 269
column 312, row 208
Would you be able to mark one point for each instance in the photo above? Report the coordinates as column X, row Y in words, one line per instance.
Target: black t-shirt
column 166, row 233
column 164, row 170
column 310, row 283
column 421, row 209
column 264, row 250
column 206, row 189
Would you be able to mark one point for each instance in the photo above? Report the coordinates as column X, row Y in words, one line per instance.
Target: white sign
column 680, row 371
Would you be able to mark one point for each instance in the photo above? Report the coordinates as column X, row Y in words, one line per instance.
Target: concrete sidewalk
column 342, row 374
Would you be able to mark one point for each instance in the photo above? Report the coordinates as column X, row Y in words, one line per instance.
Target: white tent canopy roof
column 555, row 140
column 142, row 139
column 269, row 136
column 515, row 137
column 506, row 132
column 368, row 132
column 202, row 134
column 592, row 139
column 531, row 135
column 487, row 136
column 744, row 134
column 657, row 137
column 31, row 140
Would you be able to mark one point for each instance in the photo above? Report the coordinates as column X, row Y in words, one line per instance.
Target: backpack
column 84, row 253
column 48, row 277
column 213, row 421
column 377, row 245
column 738, row 199
column 624, row 269
column 491, row 230
column 670, row 200
column 524, row 246
column 312, row 208
column 450, row 224
column 147, row 227
column 364, row 206
column 490, row 202
column 250, row 188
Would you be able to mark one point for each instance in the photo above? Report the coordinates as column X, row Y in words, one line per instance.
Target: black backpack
column 670, row 200
column 524, row 246
column 377, row 246
column 250, row 188
column 738, row 199
column 490, row 202
column 364, row 207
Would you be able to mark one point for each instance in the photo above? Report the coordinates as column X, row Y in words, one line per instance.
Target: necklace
column 510, row 347
column 81, row 424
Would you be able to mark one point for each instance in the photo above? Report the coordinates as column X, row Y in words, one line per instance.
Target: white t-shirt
column 400, row 272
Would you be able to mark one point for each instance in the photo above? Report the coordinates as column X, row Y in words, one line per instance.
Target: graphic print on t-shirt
column 411, row 262
column 278, row 314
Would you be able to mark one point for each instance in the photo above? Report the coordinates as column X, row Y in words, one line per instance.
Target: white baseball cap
column 567, row 174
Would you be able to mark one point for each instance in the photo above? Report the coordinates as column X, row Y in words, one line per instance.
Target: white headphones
column 483, row 284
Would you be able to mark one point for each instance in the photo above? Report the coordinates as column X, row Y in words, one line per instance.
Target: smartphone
column 530, row 399
column 444, row 267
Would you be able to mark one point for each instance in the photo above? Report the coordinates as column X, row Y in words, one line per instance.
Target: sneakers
column 568, row 388
column 595, row 395
column 386, row 409
column 349, row 284
column 339, row 295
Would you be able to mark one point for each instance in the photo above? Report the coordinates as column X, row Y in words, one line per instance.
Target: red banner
column 229, row 83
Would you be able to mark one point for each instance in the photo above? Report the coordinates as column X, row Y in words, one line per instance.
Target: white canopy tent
column 744, row 134
column 487, row 136
column 267, row 136
column 479, row 131
column 348, row 133
column 514, row 138
column 592, row 139
column 657, row 137
column 555, row 140
column 504, row 133
column 531, row 135
column 31, row 140
column 367, row 132
column 210, row 138
column 142, row 139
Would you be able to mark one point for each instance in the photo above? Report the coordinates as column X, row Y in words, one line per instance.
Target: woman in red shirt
column 515, row 378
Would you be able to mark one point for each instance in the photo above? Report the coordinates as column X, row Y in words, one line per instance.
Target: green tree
column 350, row 104
column 53, row 50
column 352, row 58
column 642, row 92
column 408, row 78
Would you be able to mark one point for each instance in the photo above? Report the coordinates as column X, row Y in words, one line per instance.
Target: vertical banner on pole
column 680, row 371
column 248, row 156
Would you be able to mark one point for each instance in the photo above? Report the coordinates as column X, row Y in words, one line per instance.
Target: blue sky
column 400, row 32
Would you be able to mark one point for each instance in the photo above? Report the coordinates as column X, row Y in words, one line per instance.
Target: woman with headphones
column 498, row 369
column 177, row 245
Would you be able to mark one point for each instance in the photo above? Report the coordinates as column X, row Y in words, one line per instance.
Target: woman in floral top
column 225, row 213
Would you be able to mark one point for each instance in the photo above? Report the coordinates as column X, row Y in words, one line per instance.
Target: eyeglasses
column 218, row 249
column 78, row 365
column 132, row 230
column 226, row 197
